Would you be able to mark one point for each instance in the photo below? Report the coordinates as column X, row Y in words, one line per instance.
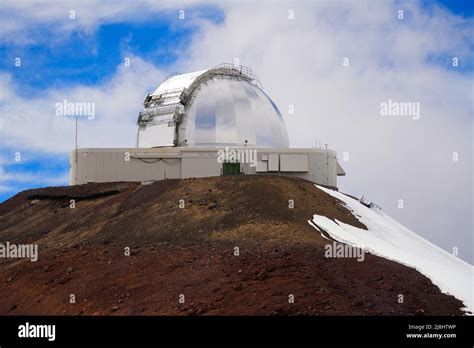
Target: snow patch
column 389, row 239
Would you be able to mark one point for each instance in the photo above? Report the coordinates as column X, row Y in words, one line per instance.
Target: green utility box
column 231, row 168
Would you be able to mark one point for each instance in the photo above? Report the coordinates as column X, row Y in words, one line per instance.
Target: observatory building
column 207, row 123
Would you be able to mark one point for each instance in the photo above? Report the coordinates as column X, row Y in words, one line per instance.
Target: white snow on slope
column 387, row 238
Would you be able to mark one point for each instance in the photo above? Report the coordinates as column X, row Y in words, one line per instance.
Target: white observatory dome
column 224, row 106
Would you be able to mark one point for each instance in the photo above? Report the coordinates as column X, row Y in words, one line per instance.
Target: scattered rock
column 199, row 311
column 262, row 275
column 212, row 206
column 238, row 287
column 65, row 280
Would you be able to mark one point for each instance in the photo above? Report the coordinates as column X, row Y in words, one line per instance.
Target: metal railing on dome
column 240, row 70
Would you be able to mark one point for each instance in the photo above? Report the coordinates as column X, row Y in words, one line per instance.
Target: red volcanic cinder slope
column 209, row 246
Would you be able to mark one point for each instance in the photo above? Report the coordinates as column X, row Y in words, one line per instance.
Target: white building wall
column 201, row 166
column 110, row 165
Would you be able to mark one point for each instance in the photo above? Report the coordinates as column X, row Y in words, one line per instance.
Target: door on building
column 231, row 168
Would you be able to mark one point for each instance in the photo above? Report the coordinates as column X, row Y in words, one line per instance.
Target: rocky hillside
column 211, row 246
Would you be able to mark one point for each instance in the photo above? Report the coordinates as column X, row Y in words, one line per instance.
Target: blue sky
column 460, row 7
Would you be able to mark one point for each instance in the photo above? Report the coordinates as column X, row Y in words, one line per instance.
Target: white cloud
column 15, row 178
column 21, row 20
column 4, row 188
column 32, row 123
